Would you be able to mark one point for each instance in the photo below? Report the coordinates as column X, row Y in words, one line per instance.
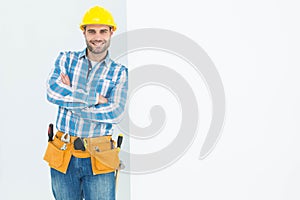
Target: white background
column 254, row 45
column 32, row 35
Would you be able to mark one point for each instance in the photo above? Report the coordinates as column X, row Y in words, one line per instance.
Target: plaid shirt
column 78, row 113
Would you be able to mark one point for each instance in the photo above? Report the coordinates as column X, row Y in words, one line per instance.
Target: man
column 90, row 90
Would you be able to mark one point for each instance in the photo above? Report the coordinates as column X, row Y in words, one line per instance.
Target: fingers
column 102, row 100
column 65, row 79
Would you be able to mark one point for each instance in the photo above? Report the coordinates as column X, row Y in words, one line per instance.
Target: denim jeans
column 79, row 182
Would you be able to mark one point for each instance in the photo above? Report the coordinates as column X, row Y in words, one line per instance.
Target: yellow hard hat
column 98, row 15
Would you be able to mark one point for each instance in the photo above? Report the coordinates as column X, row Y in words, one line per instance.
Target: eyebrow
column 104, row 29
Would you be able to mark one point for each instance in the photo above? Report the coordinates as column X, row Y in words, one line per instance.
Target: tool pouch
column 104, row 155
column 106, row 161
column 57, row 158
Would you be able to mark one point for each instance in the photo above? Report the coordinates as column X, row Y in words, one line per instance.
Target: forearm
column 68, row 98
column 109, row 111
column 105, row 113
column 60, row 91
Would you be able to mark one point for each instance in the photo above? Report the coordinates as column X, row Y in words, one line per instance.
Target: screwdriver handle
column 50, row 133
column 119, row 141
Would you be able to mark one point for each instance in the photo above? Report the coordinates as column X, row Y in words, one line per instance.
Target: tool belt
column 104, row 156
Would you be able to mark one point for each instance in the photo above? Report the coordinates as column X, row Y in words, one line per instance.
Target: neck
column 96, row 57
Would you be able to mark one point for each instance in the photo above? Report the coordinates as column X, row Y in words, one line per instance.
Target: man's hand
column 65, row 79
column 102, row 99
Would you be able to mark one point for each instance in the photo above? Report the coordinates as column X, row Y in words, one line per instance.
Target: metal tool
column 64, row 147
column 65, row 138
column 111, row 144
column 97, row 149
column 121, row 165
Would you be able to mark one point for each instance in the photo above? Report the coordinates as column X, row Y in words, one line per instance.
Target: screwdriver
column 119, row 141
column 50, row 133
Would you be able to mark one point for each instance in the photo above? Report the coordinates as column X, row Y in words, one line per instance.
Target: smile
column 97, row 44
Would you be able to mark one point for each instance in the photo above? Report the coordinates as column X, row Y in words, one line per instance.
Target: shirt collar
column 106, row 59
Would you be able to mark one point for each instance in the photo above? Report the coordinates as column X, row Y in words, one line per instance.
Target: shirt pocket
column 105, row 87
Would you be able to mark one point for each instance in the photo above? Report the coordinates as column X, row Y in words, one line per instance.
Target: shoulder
column 66, row 57
column 71, row 54
column 118, row 66
column 118, row 71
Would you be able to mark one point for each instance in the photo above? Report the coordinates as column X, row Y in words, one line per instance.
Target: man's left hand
column 65, row 79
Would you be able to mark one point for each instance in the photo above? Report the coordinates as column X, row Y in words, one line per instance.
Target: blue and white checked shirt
column 78, row 113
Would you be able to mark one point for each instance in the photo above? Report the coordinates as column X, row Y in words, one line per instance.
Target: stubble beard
column 97, row 50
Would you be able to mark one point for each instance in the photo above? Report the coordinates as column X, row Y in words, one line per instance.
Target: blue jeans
column 80, row 183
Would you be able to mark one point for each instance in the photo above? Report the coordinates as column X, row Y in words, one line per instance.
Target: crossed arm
column 66, row 80
column 87, row 105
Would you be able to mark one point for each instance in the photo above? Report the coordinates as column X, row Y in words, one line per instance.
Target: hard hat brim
column 113, row 27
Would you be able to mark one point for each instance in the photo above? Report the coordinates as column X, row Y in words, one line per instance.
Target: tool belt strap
column 104, row 156
column 91, row 142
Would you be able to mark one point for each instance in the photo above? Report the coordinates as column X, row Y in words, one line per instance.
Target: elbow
column 118, row 115
column 50, row 99
column 113, row 117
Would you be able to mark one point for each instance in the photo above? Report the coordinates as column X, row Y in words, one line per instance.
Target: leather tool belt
column 102, row 151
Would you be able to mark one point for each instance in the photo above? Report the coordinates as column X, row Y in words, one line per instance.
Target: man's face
column 97, row 38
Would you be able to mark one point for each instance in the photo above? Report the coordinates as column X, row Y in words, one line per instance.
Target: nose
column 98, row 36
